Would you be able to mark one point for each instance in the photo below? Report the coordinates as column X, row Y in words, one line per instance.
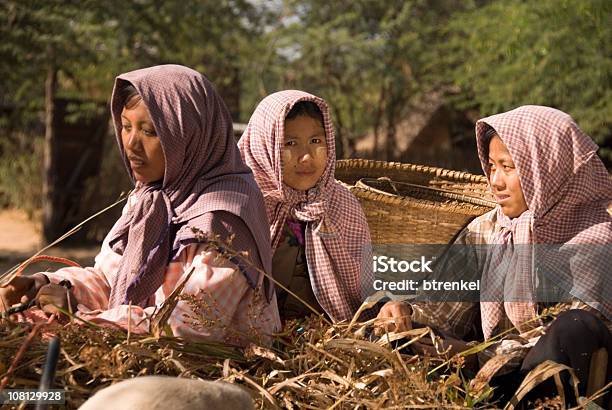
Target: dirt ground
column 20, row 238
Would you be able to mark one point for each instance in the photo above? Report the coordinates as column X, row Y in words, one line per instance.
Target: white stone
column 175, row 393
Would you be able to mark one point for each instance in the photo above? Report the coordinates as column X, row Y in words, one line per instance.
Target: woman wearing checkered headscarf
column 548, row 240
column 324, row 220
column 176, row 139
column 559, row 235
column 566, row 190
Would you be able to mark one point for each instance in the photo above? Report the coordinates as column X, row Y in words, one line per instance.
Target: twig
column 22, row 350
column 129, row 323
column 484, row 345
column 6, row 277
column 226, row 250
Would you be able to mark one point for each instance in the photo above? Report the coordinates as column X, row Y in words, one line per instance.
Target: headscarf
column 337, row 236
column 203, row 173
column 567, row 190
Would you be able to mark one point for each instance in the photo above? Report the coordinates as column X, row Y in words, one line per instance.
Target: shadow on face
column 141, row 144
column 304, row 152
column 504, row 179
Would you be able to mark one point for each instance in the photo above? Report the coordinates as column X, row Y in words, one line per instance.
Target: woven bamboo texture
column 351, row 170
column 414, row 204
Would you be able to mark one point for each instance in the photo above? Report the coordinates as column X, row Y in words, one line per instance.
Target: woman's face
column 505, row 180
column 141, row 144
column 304, row 152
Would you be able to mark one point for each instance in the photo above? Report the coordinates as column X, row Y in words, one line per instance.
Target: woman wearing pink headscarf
column 175, row 136
column 549, row 240
column 319, row 234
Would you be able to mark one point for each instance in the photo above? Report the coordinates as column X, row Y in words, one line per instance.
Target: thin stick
column 481, row 346
column 129, row 324
column 22, row 350
column 236, row 254
column 11, row 273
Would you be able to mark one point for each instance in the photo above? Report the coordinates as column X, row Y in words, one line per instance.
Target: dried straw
column 313, row 363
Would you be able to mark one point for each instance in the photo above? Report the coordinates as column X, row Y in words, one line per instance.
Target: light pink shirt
column 216, row 304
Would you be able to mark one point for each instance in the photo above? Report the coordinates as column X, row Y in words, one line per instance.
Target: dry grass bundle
column 93, row 357
column 328, row 367
column 312, row 365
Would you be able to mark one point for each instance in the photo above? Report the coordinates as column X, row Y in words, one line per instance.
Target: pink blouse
column 216, row 304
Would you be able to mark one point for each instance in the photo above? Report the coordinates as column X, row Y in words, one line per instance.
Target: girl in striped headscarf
column 176, row 139
column 319, row 233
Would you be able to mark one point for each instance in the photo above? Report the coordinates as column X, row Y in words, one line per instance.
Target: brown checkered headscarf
column 567, row 189
column 337, row 237
column 204, row 173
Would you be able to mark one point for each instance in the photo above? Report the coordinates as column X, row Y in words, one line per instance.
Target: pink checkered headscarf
column 338, row 251
column 204, row 174
column 567, row 189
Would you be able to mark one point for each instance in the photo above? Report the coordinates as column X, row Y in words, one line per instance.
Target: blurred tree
column 372, row 59
column 76, row 48
column 214, row 38
column 41, row 40
column 367, row 58
column 547, row 52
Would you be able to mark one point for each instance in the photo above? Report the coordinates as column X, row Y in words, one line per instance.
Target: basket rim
column 449, row 174
column 475, row 200
column 396, row 200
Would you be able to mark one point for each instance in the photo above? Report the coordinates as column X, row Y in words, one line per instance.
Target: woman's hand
column 449, row 345
column 51, row 298
column 21, row 289
column 396, row 317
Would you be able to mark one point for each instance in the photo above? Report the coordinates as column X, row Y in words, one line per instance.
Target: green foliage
column 369, row 59
column 372, row 60
column 89, row 42
column 93, row 41
column 548, row 52
column 76, row 37
column 20, row 176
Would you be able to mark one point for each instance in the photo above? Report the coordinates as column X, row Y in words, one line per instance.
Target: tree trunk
column 341, row 137
column 378, row 122
column 50, row 203
column 391, row 143
column 390, row 140
column 392, row 114
column 228, row 84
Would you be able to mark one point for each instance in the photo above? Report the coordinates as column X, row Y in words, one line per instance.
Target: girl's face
column 304, row 152
column 141, row 144
column 505, row 180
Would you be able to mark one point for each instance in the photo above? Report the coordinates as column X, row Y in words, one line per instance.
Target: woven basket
column 414, row 204
column 351, row 170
